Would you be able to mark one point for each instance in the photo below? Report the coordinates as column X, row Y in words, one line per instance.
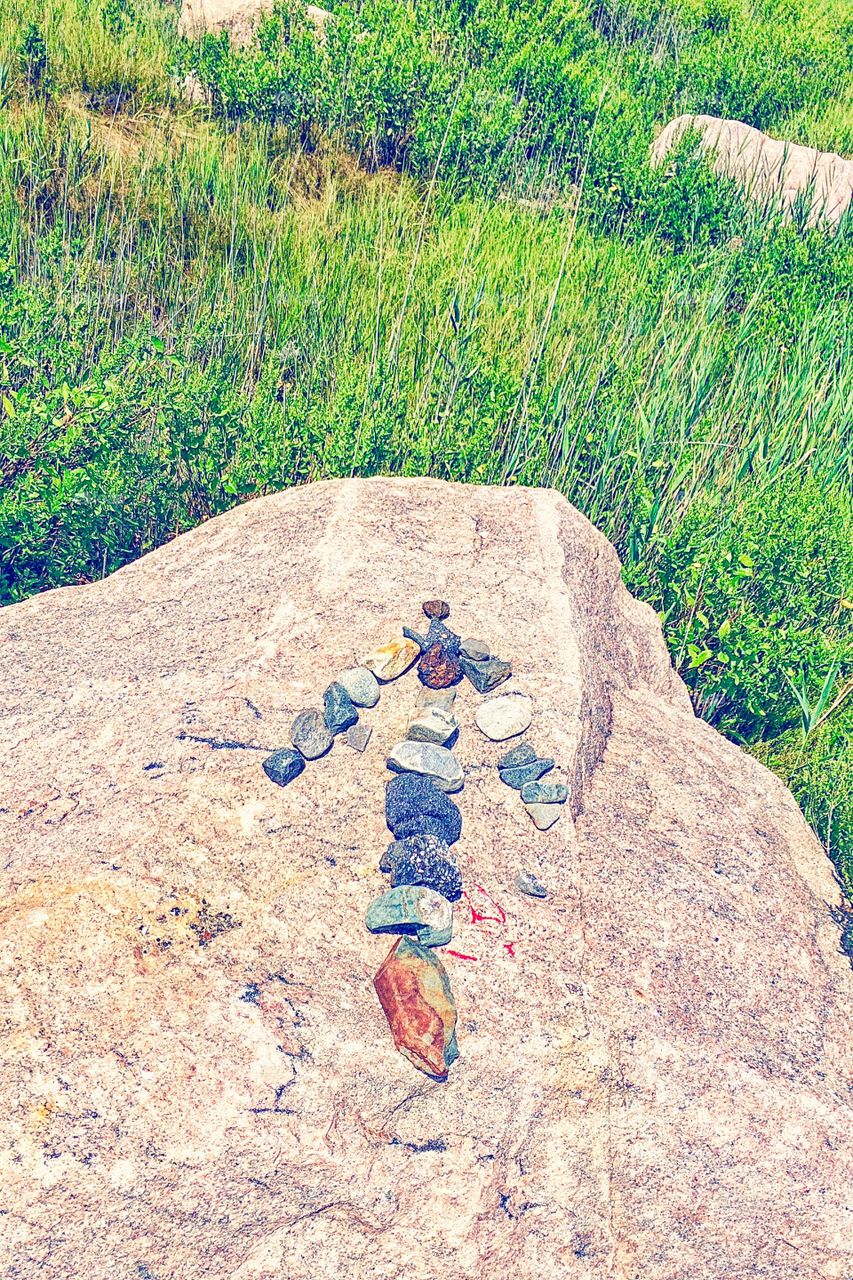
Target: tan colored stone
column 197, row 1078
column 772, row 171
column 390, row 660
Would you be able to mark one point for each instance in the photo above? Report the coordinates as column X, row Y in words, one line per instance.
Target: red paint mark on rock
column 482, row 917
column 510, row 947
column 460, row 955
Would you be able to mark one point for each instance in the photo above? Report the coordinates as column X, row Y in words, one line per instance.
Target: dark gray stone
column 522, row 754
column 283, row 766
column 426, row 860
column 338, row 709
column 486, row 676
column 528, row 884
column 544, row 793
column 414, row 805
column 309, row 734
column 416, row 636
column 516, row 778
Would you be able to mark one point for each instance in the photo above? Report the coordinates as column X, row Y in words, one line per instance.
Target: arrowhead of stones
column 414, row 991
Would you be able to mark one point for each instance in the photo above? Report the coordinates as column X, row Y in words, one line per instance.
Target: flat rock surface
column 654, row 1080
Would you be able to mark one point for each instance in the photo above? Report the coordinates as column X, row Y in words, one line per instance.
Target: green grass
column 198, row 307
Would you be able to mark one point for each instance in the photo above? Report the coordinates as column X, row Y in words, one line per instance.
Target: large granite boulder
column 772, row 171
column 656, row 1060
column 238, row 17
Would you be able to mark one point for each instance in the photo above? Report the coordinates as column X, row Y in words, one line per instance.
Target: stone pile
column 412, row 984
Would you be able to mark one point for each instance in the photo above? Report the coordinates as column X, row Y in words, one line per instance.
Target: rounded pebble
column 361, row 685
column 528, row 884
column 504, row 717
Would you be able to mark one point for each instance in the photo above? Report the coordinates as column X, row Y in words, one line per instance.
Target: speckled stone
column 338, row 709
column 516, row 778
column 390, row 660
column 522, row 754
column 438, row 669
column 423, row 860
column 486, row 676
column 436, row 608
column 414, row 805
column 544, row 793
column 432, row 724
column 505, row 716
column 414, row 991
column 361, row 685
column 528, row 884
column 544, row 815
column 309, row 734
column 476, row 650
column 283, row 766
column 433, row 762
column 413, row 909
column 358, row 736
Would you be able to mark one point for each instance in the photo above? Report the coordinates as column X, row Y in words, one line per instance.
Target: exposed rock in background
column 654, row 1076
column 772, row 171
column 237, row 17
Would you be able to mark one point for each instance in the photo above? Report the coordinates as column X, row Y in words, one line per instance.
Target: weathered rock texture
column 238, row 17
column 654, row 1080
column 774, row 172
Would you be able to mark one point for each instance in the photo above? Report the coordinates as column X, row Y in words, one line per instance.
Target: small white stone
column 504, row 717
column 361, row 685
column 544, row 815
column 433, row 762
column 432, row 724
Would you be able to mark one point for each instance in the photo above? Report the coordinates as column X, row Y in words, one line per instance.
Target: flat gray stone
column 358, row 736
column 309, row 734
column 516, row 756
column 443, row 698
column 524, row 773
column 487, row 675
column 476, row 650
column 432, row 724
column 544, row 793
column 413, row 909
column 544, row 815
column 429, row 761
column 505, row 716
column 361, row 685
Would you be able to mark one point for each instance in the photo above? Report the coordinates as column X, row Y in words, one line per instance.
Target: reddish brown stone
column 414, row 991
column 436, row 609
column 438, row 668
